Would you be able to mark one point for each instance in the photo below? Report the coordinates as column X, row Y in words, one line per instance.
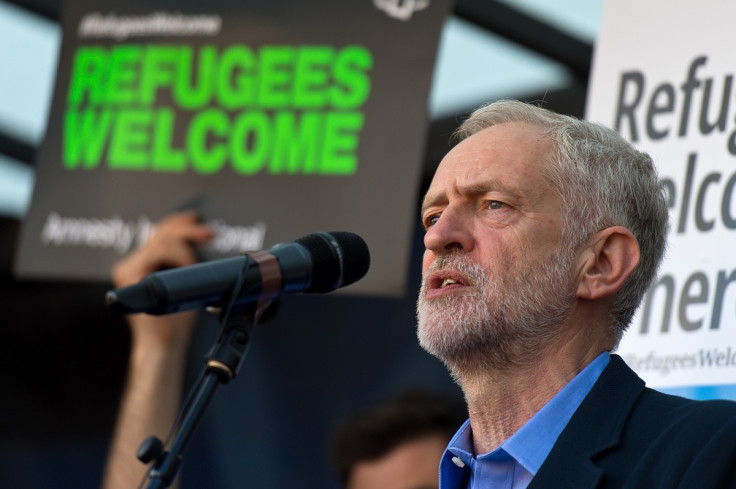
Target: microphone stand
column 225, row 360
column 223, row 365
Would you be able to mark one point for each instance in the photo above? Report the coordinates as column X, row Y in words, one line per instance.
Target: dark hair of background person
column 374, row 432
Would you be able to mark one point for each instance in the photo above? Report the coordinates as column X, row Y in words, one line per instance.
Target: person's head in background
column 397, row 444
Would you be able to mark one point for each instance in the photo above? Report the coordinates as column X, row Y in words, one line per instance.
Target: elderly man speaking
column 543, row 233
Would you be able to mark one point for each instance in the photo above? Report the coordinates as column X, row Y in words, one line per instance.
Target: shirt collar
column 531, row 444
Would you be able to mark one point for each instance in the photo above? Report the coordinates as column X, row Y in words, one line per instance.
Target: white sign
column 663, row 76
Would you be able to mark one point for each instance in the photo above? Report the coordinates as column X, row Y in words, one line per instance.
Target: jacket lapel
column 596, row 426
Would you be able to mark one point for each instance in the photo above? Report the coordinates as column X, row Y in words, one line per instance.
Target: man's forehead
column 489, row 160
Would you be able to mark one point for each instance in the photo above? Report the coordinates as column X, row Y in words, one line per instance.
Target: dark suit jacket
column 625, row 435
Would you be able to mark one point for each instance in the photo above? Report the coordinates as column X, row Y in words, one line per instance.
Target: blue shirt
column 513, row 464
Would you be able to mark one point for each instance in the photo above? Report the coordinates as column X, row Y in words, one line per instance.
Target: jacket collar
column 596, row 426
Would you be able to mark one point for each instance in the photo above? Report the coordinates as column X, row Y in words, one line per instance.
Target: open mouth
column 447, row 279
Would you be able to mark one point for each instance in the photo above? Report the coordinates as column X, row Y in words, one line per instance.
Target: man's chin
column 431, row 335
column 460, row 355
column 446, row 339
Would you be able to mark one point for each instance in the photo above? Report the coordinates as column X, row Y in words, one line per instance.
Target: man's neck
column 501, row 402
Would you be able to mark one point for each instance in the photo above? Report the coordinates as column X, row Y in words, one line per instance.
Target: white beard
column 494, row 324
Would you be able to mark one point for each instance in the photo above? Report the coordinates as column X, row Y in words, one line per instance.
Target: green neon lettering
column 208, row 157
column 235, row 80
column 158, row 67
column 194, row 87
column 166, row 158
column 130, row 140
column 85, row 135
column 146, row 107
column 275, row 76
column 340, row 143
column 311, row 77
column 250, row 142
column 296, row 143
column 88, row 75
column 353, row 85
column 124, row 76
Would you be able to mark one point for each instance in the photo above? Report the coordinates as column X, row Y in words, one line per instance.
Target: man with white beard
column 543, row 233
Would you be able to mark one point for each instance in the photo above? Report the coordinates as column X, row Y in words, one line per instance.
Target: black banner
column 273, row 119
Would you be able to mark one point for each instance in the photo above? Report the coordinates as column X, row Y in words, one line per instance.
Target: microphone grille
column 338, row 259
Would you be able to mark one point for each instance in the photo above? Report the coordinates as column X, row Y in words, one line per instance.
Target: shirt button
column 458, row 462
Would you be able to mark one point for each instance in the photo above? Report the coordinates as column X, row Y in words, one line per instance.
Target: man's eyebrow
column 483, row 188
column 431, row 200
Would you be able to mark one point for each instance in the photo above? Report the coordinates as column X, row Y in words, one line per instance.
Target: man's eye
column 495, row 204
column 432, row 220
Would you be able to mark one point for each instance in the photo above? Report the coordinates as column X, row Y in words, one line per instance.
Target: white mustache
column 474, row 273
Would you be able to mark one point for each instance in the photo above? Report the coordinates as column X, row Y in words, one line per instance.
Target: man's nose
column 452, row 230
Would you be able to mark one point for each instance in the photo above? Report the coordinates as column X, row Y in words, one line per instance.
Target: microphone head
column 338, row 259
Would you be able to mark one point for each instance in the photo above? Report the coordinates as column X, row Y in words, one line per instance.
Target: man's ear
column 609, row 258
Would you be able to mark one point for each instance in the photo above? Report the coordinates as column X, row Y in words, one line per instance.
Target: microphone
column 319, row 262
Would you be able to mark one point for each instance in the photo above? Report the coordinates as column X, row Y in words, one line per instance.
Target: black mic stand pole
column 223, row 365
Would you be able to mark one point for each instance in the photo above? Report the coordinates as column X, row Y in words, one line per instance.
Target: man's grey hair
column 603, row 181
